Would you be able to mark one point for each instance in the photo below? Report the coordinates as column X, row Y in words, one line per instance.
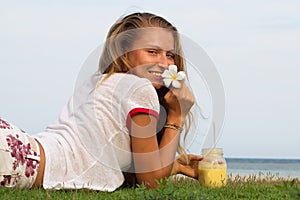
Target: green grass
column 237, row 188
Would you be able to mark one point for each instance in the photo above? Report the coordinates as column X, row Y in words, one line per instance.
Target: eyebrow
column 149, row 46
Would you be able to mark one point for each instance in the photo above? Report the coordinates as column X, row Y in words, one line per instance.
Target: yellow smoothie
column 212, row 169
column 212, row 177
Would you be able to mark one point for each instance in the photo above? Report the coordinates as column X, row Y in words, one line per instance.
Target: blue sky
column 254, row 45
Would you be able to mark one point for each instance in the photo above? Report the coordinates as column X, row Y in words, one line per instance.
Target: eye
column 170, row 55
column 152, row 52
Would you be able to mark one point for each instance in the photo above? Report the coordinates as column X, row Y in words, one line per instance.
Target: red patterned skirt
column 19, row 157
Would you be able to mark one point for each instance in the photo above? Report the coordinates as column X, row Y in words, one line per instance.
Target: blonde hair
column 119, row 40
column 121, row 36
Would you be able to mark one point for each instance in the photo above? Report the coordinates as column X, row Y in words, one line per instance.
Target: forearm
column 170, row 141
column 152, row 161
column 168, row 145
column 158, row 164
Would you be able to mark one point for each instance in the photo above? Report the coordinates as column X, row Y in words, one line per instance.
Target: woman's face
column 152, row 52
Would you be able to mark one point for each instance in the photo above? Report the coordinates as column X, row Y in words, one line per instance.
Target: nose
column 164, row 61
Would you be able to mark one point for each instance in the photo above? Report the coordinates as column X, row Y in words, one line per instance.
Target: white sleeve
column 141, row 98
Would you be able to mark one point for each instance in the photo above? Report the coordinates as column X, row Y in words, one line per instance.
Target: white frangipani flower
column 172, row 77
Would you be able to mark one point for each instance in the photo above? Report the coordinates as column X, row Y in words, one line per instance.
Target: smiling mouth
column 155, row 73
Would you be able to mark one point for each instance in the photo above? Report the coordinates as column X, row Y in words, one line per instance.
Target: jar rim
column 206, row 151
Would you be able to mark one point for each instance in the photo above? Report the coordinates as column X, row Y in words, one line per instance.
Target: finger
column 193, row 157
column 188, row 158
column 188, row 171
column 169, row 94
column 181, row 82
column 183, row 159
column 182, row 86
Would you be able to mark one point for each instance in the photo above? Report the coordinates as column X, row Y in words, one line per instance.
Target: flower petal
column 166, row 74
column 181, row 75
column 176, row 84
column 173, row 69
column 167, row 82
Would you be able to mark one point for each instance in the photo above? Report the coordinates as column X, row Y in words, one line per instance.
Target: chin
column 157, row 85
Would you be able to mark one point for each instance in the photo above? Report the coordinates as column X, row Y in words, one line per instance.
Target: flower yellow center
column 174, row 77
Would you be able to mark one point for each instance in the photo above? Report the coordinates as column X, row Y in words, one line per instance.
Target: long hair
column 119, row 41
column 122, row 35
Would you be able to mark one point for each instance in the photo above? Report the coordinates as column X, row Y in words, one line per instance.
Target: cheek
column 140, row 61
column 133, row 58
column 137, row 59
column 138, row 70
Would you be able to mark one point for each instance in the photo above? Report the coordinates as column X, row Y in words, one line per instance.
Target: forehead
column 154, row 36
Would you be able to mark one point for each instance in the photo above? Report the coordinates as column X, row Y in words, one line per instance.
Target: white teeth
column 156, row 73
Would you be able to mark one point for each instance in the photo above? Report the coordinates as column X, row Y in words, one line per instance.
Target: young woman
column 122, row 121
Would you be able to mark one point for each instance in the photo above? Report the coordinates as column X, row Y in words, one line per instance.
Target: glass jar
column 212, row 169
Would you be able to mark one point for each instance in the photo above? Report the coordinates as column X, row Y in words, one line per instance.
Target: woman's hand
column 187, row 165
column 178, row 103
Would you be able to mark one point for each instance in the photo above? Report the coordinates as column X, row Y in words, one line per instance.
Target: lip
column 156, row 74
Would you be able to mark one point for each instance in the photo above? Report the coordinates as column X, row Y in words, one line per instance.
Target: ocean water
column 287, row 168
